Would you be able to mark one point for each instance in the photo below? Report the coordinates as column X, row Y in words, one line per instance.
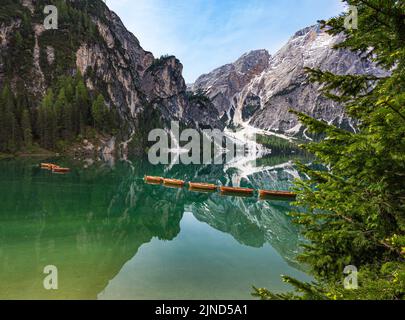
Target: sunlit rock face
column 134, row 79
column 222, row 84
column 265, row 100
column 109, row 57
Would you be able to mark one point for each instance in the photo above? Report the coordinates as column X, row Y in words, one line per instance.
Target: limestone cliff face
column 116, row 60
column 265, row 101
column 164, row 85
column 166, row 90
column 222, row 84
column 92, row 39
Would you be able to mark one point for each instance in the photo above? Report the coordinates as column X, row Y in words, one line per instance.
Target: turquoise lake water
column 111, row 236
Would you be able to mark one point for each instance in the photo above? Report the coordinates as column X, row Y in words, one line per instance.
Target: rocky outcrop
column 283, row 85
column 222, row 84
column 166, row 90
column 165, row 87
column 94, row 41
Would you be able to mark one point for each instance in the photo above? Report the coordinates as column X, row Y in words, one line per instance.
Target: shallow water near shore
column 111, row 236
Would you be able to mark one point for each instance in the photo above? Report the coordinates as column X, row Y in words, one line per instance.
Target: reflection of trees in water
column 91, row 222
column 82, row 225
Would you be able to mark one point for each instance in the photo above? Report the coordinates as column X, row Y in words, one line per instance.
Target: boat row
column 205, row 187
column 54, row 168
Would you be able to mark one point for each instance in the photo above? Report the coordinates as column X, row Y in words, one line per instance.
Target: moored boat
column 153, row 180
column 48, row 166
column 202, row 186
column 173, row 183
column 277, row 194
column 237, row 191
column 57, row 169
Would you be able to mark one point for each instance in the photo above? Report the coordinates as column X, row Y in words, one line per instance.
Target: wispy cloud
column 205, row 34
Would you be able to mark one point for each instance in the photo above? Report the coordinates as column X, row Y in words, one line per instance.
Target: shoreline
column 4, row 156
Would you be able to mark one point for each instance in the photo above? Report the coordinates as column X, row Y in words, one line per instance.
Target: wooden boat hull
column 284, row 195
column 60, row 170
column 174, row 183
column 48, row 166
column 237, row 191
column 153, row 180
column 202, row 187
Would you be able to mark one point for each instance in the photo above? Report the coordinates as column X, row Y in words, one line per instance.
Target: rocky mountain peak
column 305, row 31
column 93, row 41
column 253, row 61
column 223, row 83
column 280, row 83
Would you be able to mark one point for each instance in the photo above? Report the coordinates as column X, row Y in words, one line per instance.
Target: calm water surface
column 113, row 237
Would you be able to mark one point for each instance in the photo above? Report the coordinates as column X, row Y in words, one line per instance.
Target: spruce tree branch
column 395, row 110
column 367, row 232
column 378, row 10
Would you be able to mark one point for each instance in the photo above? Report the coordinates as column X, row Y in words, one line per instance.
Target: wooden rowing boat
column 48, row 166
column 238, row 191
column 277, row 194
column 173, row 183
column 202, row 186
column 153, row 180
column 57, row 169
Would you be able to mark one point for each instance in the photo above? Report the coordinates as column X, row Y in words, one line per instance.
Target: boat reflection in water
column 111, row 236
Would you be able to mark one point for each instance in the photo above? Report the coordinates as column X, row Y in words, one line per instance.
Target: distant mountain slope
column 264, row 101
column 224, row 83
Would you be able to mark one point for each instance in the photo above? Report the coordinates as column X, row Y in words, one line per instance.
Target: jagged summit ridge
column 265, row 100
column 223, row 83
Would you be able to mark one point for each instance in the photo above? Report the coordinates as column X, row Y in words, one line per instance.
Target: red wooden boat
column 174, row 183
column 277, row 194
column 57, row 169
column 202, row 187
column 237, row 191
column 48, row 166
column 153, row 180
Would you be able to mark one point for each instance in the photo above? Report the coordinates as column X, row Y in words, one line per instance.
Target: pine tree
column 98, row 112
column 47, row 122
column 8, row 130
column 355, row 209
column 26, row 128
column 19, row 41
column 83, row 106
column 2, row 125
column 64, row 115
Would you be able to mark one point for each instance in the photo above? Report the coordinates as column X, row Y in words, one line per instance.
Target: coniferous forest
column 65, row 113
column 68, row 109
column 356, row 210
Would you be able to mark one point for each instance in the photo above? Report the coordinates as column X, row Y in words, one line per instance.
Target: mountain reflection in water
column 92, row 223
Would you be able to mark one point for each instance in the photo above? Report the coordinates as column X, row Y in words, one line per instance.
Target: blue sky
column 205, row 34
